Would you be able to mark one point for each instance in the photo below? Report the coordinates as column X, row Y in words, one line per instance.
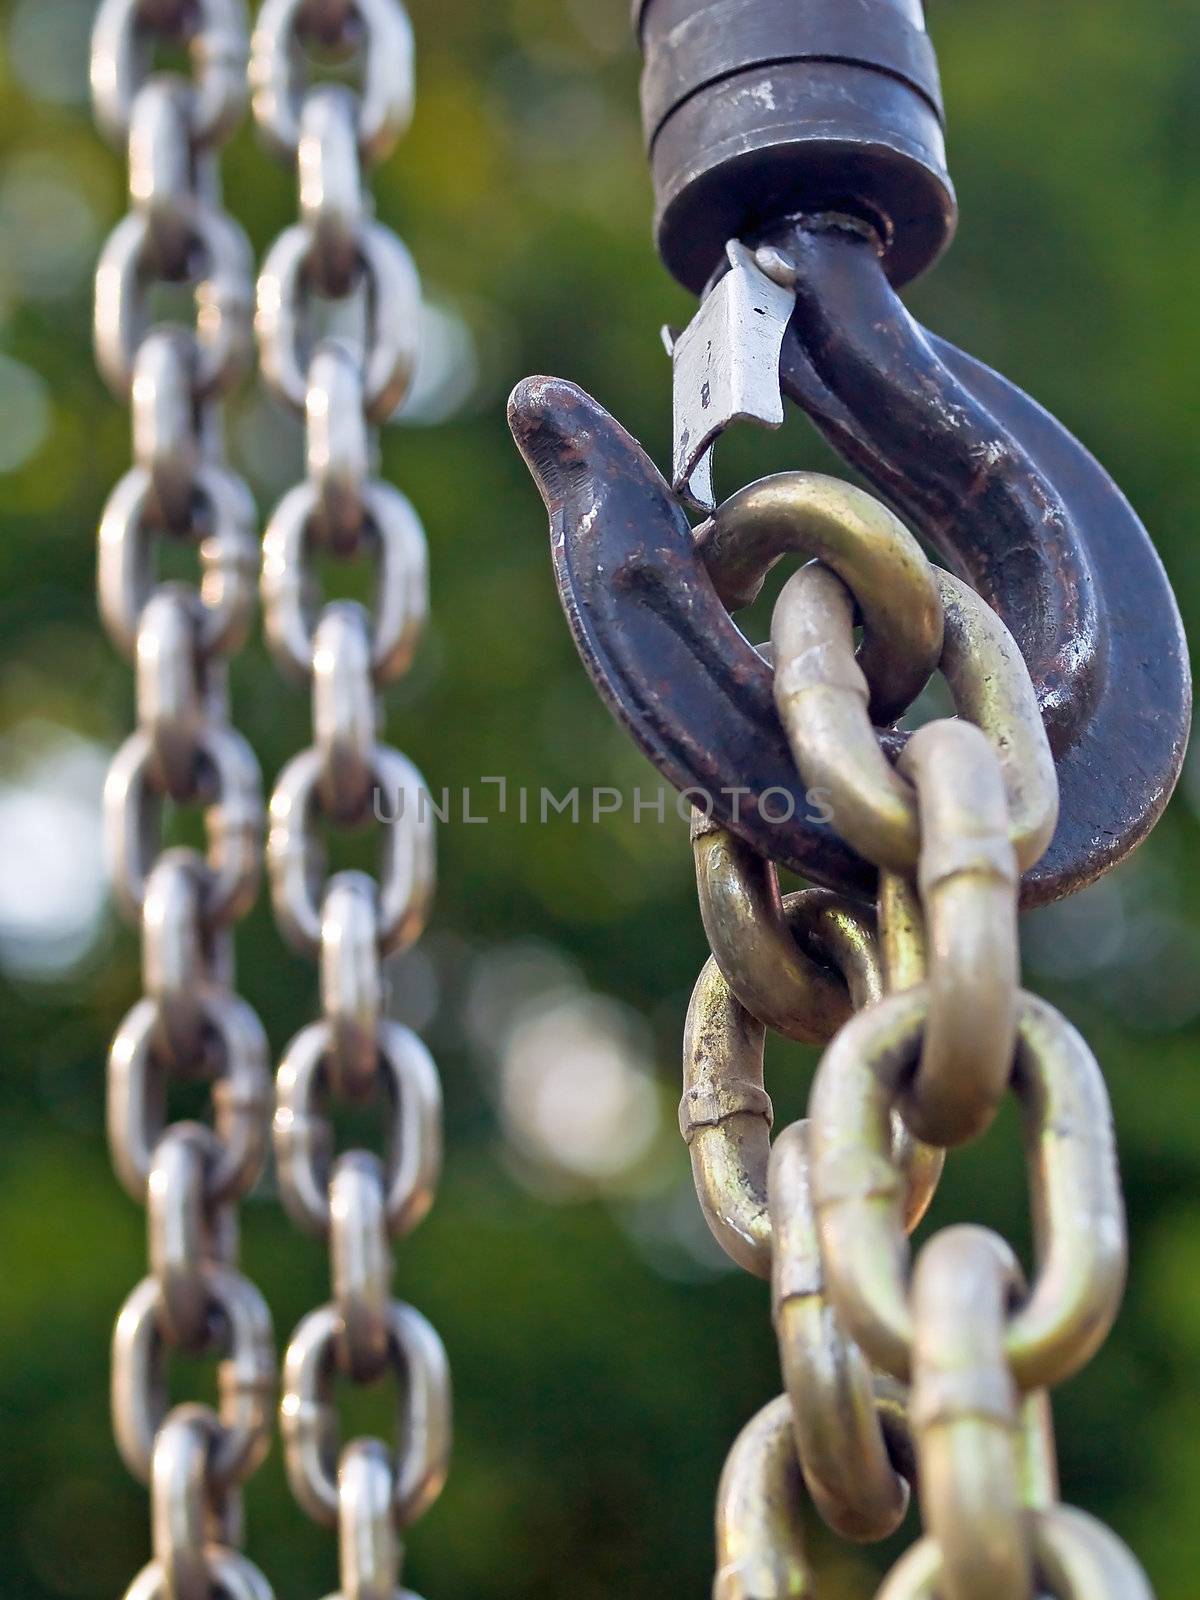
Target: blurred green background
column 603, row 1357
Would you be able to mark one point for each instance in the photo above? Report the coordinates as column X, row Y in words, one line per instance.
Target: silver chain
column 190, row 1023
column 349, row 922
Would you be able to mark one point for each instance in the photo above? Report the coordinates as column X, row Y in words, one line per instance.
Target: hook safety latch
column 725, row 367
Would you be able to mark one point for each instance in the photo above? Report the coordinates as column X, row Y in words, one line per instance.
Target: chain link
column 190, row 1023
column 936, row 1373
column 349, row 922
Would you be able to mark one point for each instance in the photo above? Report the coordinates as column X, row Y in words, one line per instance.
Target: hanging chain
column 935, row 1375
column 190, row 1025
column 349, row 922
column 798, row 161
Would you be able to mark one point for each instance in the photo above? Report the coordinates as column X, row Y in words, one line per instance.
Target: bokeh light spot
column 52, row 881
column 24, row 413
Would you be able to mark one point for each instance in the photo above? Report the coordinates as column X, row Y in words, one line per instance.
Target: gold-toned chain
column 190, row 1024
column 349, row 922
column 937, row 1373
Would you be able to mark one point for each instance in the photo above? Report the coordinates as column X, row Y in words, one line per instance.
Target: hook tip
column 579, row 455
column 541, row 404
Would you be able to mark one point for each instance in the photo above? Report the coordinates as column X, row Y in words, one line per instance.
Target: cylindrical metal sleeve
column 756, row 110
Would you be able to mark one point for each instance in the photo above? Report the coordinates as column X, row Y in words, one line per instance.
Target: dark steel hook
column 1005, row 495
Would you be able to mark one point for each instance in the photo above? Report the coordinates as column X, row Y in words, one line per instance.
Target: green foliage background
column 598, row 1383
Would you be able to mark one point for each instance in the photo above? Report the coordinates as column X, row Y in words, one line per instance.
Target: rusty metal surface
column 690, row 45
column 754, row 110
column 659, row 645
column 1004, row 494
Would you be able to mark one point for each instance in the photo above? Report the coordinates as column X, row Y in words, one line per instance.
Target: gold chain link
column 934, row 1375
column 349, row 922
column 190, row 1023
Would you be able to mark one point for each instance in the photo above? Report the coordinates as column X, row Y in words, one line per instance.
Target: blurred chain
column 337, row 324
column 934, row 1376
column 190, row 1025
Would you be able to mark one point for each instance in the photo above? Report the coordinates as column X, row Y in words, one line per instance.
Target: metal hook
column 1005, row 495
